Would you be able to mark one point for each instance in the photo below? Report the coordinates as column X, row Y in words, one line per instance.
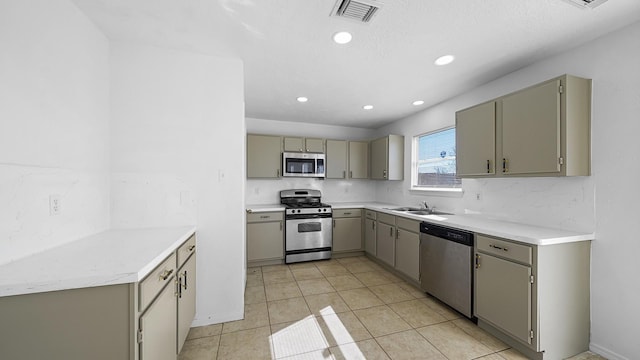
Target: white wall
column 54, row 137
column 178, row 158
column 264, row 191
column 572, row 203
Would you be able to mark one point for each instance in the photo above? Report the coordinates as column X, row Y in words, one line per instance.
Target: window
column 434, row 161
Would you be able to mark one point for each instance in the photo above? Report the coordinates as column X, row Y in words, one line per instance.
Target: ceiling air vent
column 587, row 4
column 357, row 10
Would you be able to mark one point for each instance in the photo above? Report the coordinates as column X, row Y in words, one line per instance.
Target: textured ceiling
column 288, row 52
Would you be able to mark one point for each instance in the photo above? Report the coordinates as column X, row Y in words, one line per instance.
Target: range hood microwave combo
column 303, row 165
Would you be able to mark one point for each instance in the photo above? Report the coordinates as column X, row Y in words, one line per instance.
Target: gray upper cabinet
column 358, row 160
column 387, row 158
column 543, row 130
column 264, row 153
column 546, row 129
column 300, row 144
column 336, row 159
column 476, row 140
column 347, row 159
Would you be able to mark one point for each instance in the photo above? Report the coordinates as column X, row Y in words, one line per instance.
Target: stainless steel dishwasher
column 446, row 266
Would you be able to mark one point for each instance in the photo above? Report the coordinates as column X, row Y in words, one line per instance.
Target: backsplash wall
column 54, row 126
column 261, row 192
column 563, row 203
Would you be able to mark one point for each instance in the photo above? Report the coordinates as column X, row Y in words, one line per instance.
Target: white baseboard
column 606, row 352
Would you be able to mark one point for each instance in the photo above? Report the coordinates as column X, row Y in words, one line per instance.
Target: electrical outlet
column 55, row 204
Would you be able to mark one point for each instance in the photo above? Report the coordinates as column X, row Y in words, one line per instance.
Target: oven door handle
column 308, row 216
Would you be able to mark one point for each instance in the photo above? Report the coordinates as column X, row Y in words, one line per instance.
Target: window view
column 435, row 162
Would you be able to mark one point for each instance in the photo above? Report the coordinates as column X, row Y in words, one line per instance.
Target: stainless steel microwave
column 303, row 164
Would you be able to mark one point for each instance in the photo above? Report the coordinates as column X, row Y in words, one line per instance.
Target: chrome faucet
column 424, row 205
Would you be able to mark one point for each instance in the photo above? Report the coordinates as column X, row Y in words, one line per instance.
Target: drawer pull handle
column 347, row 213
column 498, row 247
column 165, row 274
column 265, row 217
column 191, row 248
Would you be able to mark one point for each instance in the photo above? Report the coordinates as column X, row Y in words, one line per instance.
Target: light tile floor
column 348, row 308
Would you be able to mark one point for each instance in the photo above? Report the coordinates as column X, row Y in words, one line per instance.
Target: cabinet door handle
column 165, row 274
column 373, row 225
column 344, row 174
column 477, row 261
column 351, row 174
column 505, row 167
column 334, row 224
column 391, row 231
column 499, row 247
column 191, row 248
column 277, row 172
column 397, row 233
column 488, row 166
column 185, row 280
column 280, row 225
column 384, row 174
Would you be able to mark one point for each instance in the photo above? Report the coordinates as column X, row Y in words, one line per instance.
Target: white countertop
column 107, row 258
column 530, row 234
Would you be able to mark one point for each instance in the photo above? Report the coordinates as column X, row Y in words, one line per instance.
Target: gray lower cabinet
column 535, row 298
column 265, row 236
column 504, row 295
column 386, row 239
column 158, row 326
column 408, row 247
column 186, row 299
column 347, row 230
column 132, row 321
column 370, row 232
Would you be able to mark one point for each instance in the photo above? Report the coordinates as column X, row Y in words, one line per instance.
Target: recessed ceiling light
column 342, row 37
column 302, row 99
column 368, row 107
column 418, row 102
column 444, row 60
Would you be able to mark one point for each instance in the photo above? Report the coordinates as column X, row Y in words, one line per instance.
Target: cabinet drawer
column 370, row 214
column 156, row 280
column 185, row 250
column 345, row 213
column 407, row 224
column 504, row 249
column 387, row 219
column 265, row 216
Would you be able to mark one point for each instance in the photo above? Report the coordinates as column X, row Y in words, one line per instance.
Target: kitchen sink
column 406, row 208
column 419, row 211
column 428, row 212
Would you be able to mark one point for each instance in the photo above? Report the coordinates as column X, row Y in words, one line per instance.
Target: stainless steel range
column 308, row 231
